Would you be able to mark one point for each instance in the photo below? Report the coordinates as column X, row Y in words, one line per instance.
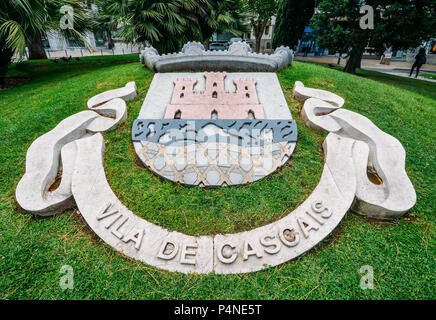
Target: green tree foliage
column 292, row 17
column 260, row 12
column 24, row 22
column 224, row 16
column 167, row 25
column 399, row 24
column 105, row 21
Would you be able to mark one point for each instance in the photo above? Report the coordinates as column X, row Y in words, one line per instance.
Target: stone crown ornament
column 238, row 57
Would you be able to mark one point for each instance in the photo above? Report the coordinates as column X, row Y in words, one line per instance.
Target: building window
column 100, row 38
column 45, row 43
column 75, row 43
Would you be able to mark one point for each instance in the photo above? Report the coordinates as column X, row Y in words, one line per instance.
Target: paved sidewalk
column 120, row 48
column 398, row 68
column 403, row 73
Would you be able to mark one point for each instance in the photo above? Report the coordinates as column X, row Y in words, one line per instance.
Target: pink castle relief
column 214, row 102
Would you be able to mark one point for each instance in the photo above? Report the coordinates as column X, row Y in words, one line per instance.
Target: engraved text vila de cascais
column 287, row 236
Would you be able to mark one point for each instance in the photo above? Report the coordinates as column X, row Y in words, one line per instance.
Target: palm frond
column 14, row 35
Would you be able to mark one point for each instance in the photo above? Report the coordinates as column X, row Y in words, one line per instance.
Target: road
column 398, row 68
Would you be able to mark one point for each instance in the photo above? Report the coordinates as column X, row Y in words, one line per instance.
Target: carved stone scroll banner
column 127, row 93
column 249, row 251
column 301, row 229
column 125, row 231
column 353, row 146
column 42, row 159
column 52, row 155
column 393, row 194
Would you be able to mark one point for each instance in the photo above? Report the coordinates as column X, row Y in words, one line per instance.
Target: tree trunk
column 258, row 35
column 5, row 58
column 109, row 37
column 36, row 49
column 354, row 60
column 259, row 29
column 257, row 47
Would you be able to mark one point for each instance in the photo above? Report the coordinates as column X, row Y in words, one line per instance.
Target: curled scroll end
column 112, row 114
column 302, row 93
column 127, row 93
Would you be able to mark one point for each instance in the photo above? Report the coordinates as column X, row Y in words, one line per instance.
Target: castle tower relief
column 214, row 102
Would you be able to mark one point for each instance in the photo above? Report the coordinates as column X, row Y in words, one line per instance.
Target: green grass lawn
column 32, row 250
column 428, row 75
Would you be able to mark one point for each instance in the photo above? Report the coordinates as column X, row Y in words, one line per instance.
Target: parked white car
column 234, row 40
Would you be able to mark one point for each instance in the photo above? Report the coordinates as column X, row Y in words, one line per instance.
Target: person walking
column 420, row 59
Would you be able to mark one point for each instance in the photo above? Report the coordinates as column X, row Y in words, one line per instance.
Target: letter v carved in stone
column 106, row 212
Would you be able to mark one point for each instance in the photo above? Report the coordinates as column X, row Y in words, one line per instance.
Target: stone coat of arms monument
column 212, row 129
column 225, row 124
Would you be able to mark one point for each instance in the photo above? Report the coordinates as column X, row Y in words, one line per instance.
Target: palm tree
column 24, row 22
column 106, row 22
column 224, row 16
column 167, row 25
column 151, row 21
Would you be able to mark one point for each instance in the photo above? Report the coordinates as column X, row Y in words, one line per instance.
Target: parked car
column 235, row 40
column 218, row 46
